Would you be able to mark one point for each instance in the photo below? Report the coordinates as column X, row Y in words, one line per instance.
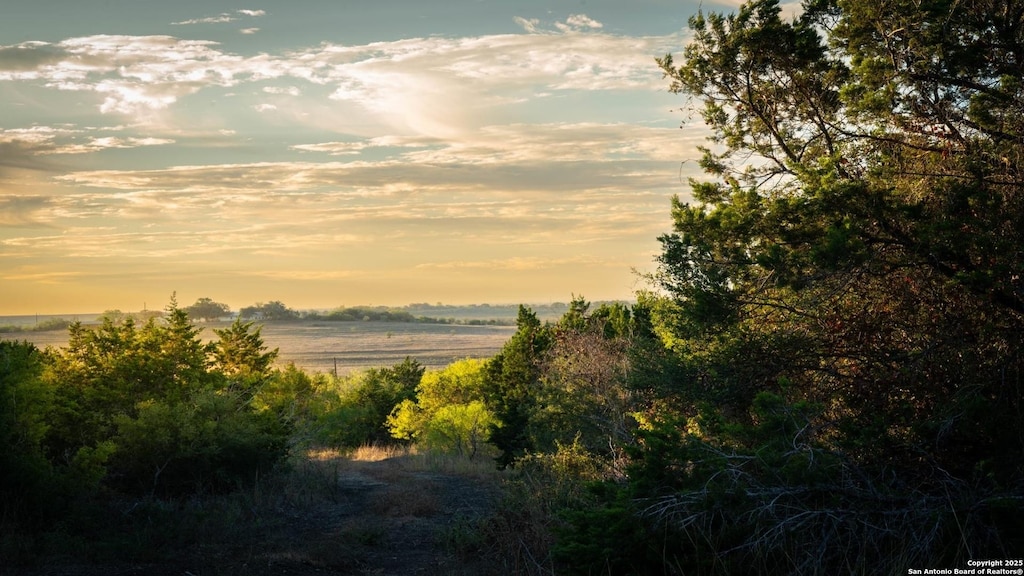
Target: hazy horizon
column 379, row 153
column 235, row 309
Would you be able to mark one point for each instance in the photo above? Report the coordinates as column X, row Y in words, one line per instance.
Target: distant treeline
column 206, row 309
column 384, row 314
column 48, row 324
column 473, row 315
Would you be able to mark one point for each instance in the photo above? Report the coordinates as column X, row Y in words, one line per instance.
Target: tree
column 448, row 413
column 845, row 288
column 273, row 311
column 240, row 354
column 874, row 243
column 583, row 392
column 360, row 412
column 207, row 309
column 27, row 483
column 511, row 386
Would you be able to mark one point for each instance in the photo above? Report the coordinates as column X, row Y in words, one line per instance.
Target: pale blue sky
column 328, row 153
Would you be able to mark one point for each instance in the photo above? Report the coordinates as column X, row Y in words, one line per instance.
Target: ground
column 399, row 515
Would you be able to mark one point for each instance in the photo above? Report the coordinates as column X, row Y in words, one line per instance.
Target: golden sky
column 327, row 153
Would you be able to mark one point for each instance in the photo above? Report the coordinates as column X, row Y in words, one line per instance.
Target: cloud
column 28, row 57
column 441, row 86
column 349, row 148
column 139, row 73
column 248, row 30
column 333, row 148
column 434, row 151
column 42, row 277
column 49, row 140
column 433, row 86
column 289, row 90
column 512, row 264
column 21, row 210
column 208, row 20
column 578, row 22
column 530, row 25
column 19, row 155
column 222, row 18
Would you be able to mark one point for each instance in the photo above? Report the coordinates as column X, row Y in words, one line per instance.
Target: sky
column 329, row 153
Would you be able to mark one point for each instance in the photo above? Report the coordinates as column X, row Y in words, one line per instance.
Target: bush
column 357, row 413
column 211, row 442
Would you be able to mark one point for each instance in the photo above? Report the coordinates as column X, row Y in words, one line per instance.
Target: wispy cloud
column 476, row 160
column 419, row 85
column 67, row 139
column 21, row 210
column 221, row 18
column 578, row 22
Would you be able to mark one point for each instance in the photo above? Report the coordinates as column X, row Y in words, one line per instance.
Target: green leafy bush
column 209, row 442
column 355, row 412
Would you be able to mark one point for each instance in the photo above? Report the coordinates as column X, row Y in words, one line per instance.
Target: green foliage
column 841, row 338
column 582, row 396
column 274, row 311
column 512, row 380
column 108, row 370
column 207, row 309
column 26, row 477
column 873, row 263
column 357, row 412
column 459, row 428
column 288, row 393
column 370, row 314
column 144, row 408
column 240, row 353
column 448, row 414
column 211, row 441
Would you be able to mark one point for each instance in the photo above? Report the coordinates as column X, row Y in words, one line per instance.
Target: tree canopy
column 207, row 309
column 849, row 272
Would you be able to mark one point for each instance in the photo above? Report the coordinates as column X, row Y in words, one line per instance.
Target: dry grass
column 379, row 452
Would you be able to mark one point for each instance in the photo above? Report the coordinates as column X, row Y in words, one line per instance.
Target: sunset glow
column 327, row 154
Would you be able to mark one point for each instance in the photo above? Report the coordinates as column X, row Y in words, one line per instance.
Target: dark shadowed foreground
column 380, row 512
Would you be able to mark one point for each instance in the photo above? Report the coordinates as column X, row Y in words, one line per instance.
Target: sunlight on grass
column 377, row 452
column 409, row 459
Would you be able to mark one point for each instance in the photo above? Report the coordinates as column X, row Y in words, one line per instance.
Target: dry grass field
column 315, row 347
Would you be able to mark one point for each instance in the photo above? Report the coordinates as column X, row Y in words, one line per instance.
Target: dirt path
column 398, row 516
column 390, row 520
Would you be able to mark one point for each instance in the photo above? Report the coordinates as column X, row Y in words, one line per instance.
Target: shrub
column 211, row 442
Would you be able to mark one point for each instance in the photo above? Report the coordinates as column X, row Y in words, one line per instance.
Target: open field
column 351, row 346
column 357, row 345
